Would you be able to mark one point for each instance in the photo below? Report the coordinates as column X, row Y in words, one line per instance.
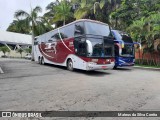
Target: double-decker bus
column 124, row 49
column 83, row 44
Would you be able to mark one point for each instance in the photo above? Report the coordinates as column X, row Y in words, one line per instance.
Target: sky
column 9, row 7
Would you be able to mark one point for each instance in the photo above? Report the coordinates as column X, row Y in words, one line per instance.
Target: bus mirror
column 75, row 50
column 89, row 47
column 113, row 38
column 140, row 47
column 139, row 44
column 50, row 41
column 122, row 45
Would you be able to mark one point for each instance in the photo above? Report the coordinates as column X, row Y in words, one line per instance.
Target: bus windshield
column 99, row 47
column 128, row 50
column 97, row 29
column 123, row 36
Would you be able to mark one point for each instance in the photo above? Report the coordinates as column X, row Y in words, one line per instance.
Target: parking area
column 27, row 86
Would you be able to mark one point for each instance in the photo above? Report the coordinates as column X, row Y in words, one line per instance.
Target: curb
column 147, row 68
column 1, row 71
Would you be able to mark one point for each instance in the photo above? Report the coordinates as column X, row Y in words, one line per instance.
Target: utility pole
column 32, row 36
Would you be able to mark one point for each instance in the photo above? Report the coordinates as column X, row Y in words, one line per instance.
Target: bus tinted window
column 97, row 29
column 128, row 50
column 123, row 36
column 69, row 31
column 79, row 29
column 62, row 33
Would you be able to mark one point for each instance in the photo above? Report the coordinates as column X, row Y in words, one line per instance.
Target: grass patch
column 147, row 66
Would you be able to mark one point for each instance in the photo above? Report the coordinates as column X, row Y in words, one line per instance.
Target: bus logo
column 51, row 46
column 6, row 114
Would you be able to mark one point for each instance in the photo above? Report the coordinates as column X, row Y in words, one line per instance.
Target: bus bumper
column 126, row 65
column 91, row 66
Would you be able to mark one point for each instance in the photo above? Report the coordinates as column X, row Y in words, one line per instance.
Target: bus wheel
column 42, row 61
column 115, row 67
column 70, row 65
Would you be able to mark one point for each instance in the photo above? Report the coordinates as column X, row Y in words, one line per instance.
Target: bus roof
column 84, row 20
column 80, row 20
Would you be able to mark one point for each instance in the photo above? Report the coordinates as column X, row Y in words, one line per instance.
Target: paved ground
column 26, row 85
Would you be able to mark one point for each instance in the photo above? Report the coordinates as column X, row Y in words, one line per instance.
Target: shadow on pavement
column 124, row 69
column 92, row 73
column 89, row 73
column 56, row 66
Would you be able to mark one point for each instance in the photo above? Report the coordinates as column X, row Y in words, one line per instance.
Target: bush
column 4, row 49
column 148, row 62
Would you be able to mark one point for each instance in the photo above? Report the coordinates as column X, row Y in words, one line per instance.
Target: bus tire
column 115, row 67
column 70, row 65
column 42, row 61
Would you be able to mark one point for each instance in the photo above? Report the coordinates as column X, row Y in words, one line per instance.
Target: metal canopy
column 15, row 38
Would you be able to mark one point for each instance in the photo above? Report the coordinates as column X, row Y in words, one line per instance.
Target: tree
column 34, row 20
column 84, row 9
column 51, row 11
column 19, row 26
column 95, row 9
column 20, row 50
column 4, row 49
column 145, row 30
column 62, row 12
column 28, row 50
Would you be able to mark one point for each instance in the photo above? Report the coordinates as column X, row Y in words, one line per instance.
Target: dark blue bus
column 124, row 49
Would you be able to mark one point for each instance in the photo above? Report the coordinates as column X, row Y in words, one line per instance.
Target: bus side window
column 62, row 34
column 56, row 37
column 69, row 31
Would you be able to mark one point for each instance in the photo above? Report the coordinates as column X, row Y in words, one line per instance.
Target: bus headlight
column 122, row 44
column 134, row 60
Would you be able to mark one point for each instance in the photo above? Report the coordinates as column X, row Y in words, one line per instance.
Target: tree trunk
column 64, row 21
column 139, row 56
column 33, row 40
column 32, row 46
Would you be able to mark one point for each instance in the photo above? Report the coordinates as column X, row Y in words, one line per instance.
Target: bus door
column 79, row 40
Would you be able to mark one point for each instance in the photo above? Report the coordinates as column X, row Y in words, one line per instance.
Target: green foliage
column 146, row 28
column 147, row 63
column 19, row 26
column 28, row 50
column 4, row 49
column 141, row 18
column 31, row 22
column 20, row 50
column 62, row 12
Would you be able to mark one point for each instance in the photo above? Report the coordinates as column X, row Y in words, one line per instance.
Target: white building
column 15, row 40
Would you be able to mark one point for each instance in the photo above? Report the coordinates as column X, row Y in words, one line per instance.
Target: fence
column 151, row 59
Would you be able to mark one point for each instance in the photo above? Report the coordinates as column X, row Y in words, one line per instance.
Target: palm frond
column 51, row 6
column 37, row 9
column 81, row 13
column 102, row 3
column 21, row 13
